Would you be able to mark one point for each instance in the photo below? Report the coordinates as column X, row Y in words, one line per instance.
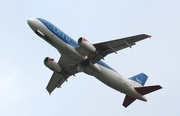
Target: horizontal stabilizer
column 128, row 100
column 147, row 89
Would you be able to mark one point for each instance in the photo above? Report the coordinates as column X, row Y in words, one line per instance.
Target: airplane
column 82, row 56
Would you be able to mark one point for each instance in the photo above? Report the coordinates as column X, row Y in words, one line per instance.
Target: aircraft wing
column 57, row 79
column 108, row 47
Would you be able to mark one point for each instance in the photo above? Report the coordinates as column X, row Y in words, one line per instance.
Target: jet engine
column 52, row 65
column 86, row 45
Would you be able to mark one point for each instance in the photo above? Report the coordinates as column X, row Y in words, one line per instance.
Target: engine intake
column 86, row 45
column 52, row 65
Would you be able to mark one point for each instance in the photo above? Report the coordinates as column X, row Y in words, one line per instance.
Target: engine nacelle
column 52, row 65
column 86, row 45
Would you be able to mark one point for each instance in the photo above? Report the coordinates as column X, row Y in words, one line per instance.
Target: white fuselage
column 109, row 77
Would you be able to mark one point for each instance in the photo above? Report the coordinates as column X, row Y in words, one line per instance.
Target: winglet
column 150, row 36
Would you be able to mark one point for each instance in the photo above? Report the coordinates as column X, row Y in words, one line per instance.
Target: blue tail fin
column 138, row 80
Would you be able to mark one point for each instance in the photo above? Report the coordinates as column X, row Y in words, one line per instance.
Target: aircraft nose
column 31, row 23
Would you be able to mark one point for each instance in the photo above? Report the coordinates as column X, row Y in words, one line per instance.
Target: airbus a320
column 82, row 56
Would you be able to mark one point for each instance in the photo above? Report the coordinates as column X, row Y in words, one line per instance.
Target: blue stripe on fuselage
column 64, row 37
column 100, row 62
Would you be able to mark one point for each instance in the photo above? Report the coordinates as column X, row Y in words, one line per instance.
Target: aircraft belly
column 108, row 77
column 113, row 80
column 72, row 55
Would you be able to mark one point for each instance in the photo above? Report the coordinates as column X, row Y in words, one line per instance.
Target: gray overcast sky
column 24, row 77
